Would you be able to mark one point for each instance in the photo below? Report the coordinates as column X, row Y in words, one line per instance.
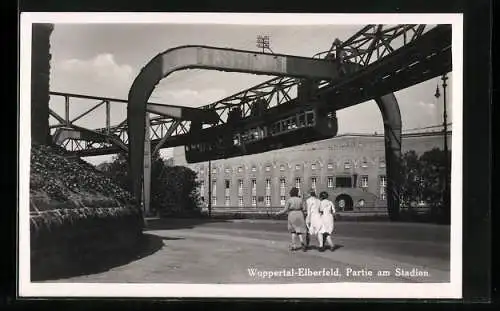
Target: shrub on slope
column 76, row 213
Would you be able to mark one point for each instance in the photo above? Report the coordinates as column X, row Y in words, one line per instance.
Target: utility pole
column 209, row 188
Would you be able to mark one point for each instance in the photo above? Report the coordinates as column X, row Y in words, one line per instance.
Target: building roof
column 320, row 145
column 380, row 135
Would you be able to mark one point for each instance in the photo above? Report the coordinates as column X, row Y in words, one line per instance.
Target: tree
column 411, row 171
column 434, row 190
column 118, row 170
column 433, row 171
column 176, row 190
column 424, row 178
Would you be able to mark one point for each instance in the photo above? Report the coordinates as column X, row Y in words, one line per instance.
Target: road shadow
column 316, row 247
column 166, row 238
column 179, row 223
column 63, row 265
column 336, row 247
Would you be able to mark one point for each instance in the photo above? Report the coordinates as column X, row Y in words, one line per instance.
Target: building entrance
column 344, row 203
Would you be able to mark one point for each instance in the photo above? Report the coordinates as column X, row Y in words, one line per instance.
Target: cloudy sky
column 103, row 60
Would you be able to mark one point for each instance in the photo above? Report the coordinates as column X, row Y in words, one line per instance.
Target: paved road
column 257, row 252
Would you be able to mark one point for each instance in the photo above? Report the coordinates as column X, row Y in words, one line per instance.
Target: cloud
column 362, row 118
column 188, row 97
column 428, row 107
column 98, row 76
column 420, row 113
column 103, row 76
column 103, row 68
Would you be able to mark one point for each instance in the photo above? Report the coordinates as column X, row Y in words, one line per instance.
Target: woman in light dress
column 327, row 210
column 313, row 219
column 296, row 222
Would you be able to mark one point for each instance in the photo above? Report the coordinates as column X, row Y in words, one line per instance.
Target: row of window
column 344, row 182
column 267, row 201
column 341, row 181
column 300, row 120
column 347, row 165
column 304, row 119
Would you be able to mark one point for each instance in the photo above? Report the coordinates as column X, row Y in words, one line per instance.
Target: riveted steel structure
column 373, row 63
column 205, row 57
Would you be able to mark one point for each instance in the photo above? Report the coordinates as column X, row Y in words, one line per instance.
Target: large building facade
column 350, row 167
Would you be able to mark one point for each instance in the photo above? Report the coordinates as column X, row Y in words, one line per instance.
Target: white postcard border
column 453, row 289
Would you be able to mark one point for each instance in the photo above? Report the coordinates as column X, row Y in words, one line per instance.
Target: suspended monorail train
column 265, row 129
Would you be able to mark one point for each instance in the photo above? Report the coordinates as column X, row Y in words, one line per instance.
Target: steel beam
column 60, row 119
column 391, row 116
column 371, row 83
column 432, row 58
column 108, row 117
column 89, row 111
column 187, row 111
column 184, row 113
column 80, row 133
column 206, row 57
column 170, row 130
column 62, row 134
column 66, row 110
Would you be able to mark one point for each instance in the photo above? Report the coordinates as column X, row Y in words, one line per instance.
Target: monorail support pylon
column 391, row 116
column 146, row 183
column 205, row 57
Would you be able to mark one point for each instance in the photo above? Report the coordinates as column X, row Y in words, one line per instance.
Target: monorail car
column 264, row 130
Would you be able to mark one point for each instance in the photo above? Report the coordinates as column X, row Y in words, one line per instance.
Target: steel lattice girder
column 112, row 137
column 366, row 80
column 173, row 111
column 417, row 61
column 205, row 57
column 430, row 56
column 79, row 133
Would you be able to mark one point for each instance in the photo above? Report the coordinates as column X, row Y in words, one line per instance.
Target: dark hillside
column 77, row 214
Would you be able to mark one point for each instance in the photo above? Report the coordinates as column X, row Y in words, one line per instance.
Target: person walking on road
column 296, row 222
column 313, row 218
column 327, row 210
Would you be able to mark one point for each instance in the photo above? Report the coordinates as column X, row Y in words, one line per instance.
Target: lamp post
column 209, row 188
column 446, row 191
column 445, row 116
column 446, row 160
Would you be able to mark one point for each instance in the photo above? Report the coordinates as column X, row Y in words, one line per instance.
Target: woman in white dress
column 327, row 210
column 313, row 219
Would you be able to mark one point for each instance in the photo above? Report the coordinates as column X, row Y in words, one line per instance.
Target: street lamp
column 263, row 43
column 445, row 116
column 446, row 192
